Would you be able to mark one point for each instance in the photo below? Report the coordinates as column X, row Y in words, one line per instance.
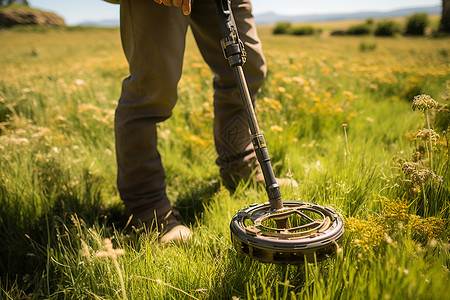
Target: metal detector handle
column 234, row 52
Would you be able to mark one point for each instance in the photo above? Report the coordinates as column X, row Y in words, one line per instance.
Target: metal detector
column 289, row 232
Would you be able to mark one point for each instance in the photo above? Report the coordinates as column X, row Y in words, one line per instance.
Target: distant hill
column 272, row 18
column 101, row 23
column 18, row 14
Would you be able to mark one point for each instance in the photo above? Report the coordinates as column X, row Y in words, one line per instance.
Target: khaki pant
column 153, row 38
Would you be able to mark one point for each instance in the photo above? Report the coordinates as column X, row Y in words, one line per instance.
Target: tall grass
column 58, row 200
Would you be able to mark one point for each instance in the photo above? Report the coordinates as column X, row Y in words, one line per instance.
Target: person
column 153, row 39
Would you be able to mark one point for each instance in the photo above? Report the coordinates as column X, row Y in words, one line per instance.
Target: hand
column 184, row 4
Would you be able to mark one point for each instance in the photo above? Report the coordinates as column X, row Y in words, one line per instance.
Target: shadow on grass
column 31, row 224
column 268, row 281
column 191, row 203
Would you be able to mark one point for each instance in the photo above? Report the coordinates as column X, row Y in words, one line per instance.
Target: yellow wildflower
column 276, row 128
column 281, row 90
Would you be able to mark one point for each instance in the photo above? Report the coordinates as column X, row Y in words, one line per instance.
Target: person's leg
column 153, row 39
column 236, row 157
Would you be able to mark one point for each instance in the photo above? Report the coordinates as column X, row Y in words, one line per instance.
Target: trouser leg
column 153, row 39
column 236, row 157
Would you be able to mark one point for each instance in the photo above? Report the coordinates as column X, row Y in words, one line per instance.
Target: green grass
column 58, row 199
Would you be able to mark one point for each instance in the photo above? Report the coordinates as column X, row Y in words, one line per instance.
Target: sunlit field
column 337, row 114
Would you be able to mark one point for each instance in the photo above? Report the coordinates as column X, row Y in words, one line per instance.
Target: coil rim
column 315, row 240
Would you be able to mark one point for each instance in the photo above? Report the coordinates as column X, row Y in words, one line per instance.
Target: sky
column 78, row 11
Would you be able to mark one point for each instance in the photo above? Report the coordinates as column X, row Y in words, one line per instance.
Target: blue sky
column 77, row 11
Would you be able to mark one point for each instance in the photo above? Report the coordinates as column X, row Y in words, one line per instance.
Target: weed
column 112, row 254
column 420, row 172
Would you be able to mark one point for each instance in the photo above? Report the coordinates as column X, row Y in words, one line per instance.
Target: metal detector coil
column 278, row 231
column 312, row 235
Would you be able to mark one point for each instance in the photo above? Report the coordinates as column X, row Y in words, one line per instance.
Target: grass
column 58, row 199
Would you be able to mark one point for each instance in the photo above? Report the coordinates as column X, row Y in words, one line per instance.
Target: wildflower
column 432, row 243
column 164, row 134
column 205, row 72
column 85, row 249
column 281, row 90
column 427, row 135
column 80, row 82
column 276, row 128
column 89, row 108
column 411, row 135
column 349, row 95
column 417, row 156
column 351, row 116
column 274, row 104
column 15, row 140
column 300, row 80
column 423, row 102
column 423, row 175
column 367, row 235
column 197, row 65
column 388, row 238
column 60, row 118
column 419, row 174
column 195, row 140
column 287, row 80
column 113, row 253
column 339, row 250
column 408, row 167
column 110, row 251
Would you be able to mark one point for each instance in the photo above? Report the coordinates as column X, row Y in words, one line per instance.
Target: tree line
column 415, row 25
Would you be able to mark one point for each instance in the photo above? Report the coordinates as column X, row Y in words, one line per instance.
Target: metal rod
column 234, row 52
column 246, row 100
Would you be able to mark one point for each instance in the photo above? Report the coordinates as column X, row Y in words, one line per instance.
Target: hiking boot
column 173, row 231
column 287, row 182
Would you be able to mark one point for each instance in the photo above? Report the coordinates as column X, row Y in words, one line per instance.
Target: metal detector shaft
column 234, row 52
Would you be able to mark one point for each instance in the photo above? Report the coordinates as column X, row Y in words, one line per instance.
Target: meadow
column 337, row 114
